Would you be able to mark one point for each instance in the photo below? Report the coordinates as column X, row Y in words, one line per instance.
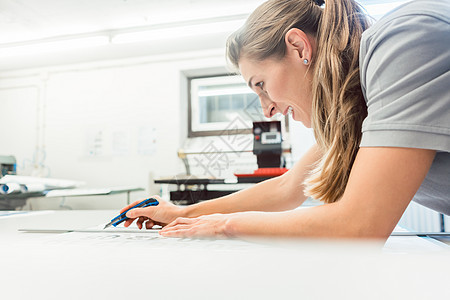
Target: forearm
column 277, row 194
column 325, row 221
column 264, row 196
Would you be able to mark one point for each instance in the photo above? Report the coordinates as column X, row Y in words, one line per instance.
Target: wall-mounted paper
column 147, row 140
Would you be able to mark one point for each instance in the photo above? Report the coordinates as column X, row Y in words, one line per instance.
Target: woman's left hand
column 203, row 226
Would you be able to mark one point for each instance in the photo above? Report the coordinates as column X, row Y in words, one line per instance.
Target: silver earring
column 305, row 61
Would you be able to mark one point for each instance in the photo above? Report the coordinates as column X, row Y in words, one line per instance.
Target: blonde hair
column 338, row 107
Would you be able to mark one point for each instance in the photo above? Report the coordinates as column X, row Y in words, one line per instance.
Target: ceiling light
column 52, row 46
column 177, row 32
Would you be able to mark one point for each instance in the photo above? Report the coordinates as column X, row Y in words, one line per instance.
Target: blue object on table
column 122, row 217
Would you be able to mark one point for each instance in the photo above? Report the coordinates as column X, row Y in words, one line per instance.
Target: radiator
column 421, row 219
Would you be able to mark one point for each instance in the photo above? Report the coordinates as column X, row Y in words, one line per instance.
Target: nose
column 268, row 110
column 268, row 107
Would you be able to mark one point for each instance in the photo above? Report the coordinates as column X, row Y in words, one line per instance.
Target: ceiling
column 24, row 22
column 32, row 22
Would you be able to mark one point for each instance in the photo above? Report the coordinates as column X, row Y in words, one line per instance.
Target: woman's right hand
column 161, row 214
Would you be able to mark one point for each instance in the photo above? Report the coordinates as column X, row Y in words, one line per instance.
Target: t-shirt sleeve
column 405, row 79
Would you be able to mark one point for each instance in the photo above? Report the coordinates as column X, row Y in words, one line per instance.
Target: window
column 222, row 104
column 377, row 8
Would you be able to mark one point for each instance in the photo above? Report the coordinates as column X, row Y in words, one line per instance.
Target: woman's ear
column 297, row 43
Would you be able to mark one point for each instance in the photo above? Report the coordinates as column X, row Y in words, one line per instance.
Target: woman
column 378, row 102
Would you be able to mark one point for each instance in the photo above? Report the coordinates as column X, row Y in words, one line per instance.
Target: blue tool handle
column 140, row 204
column 122, row 217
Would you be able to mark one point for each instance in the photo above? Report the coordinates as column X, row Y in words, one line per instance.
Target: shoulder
column 414, row 35
column 409, row 21
column 404, row 72
column 412, row 12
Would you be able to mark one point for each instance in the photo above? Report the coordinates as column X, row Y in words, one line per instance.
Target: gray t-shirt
column 405, row 78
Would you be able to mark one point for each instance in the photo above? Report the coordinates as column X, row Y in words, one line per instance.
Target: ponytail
column 338, row 108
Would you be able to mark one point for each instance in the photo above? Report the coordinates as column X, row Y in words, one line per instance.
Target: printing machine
column 267, row 140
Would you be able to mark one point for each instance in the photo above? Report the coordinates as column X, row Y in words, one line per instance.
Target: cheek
column 277, row 91
column 283, row 87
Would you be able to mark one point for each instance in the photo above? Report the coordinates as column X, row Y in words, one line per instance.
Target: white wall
column 49, row 117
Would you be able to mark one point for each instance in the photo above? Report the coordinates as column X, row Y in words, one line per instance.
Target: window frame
column 206, row 133
column 203, row 133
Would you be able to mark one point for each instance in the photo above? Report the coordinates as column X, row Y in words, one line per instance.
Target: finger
column 132, row 215
column 128, row 222
column 159, row 224
column 176, row 227
column 181, row 231
column 140, row 221
column 130, row 206
column 175, row 231
column 149, row 224
column 189, row 232
column 181, row 220
column 137, row 202
column 138, row 212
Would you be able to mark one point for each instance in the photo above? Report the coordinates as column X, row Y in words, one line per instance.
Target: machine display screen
column 270, row 138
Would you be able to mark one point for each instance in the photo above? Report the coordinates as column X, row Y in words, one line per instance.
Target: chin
column 306, row 123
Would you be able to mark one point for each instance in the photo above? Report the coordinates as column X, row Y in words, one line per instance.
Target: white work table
column 118, row 265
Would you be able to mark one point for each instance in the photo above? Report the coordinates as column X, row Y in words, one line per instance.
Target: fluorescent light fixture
column 66, row 44
column 52, row 46
column 177, row 32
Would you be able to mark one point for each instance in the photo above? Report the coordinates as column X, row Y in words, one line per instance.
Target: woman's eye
column 260, row 84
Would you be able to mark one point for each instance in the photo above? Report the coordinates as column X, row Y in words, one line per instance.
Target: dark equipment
column 267, row 144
